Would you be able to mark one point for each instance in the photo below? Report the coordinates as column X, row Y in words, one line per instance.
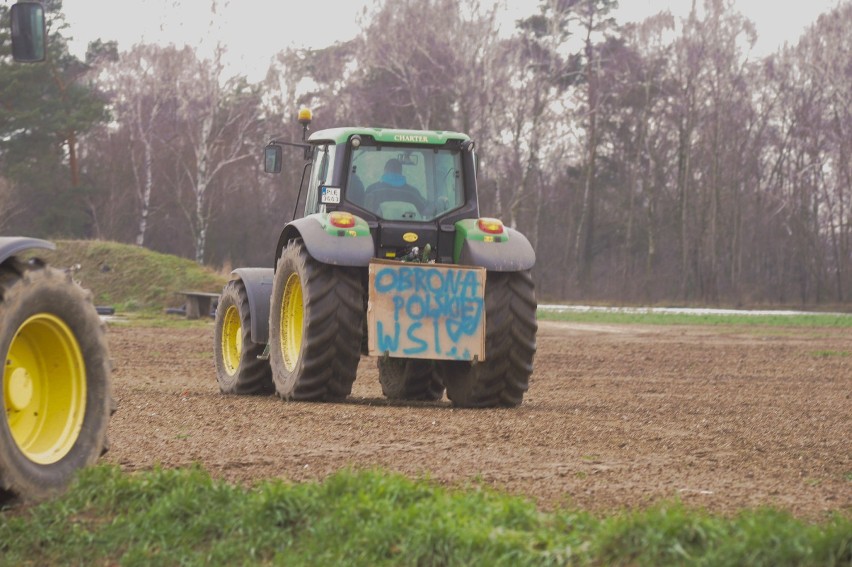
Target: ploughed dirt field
column 617, row 416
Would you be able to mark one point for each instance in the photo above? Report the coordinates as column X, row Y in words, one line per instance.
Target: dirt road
column 616, row 416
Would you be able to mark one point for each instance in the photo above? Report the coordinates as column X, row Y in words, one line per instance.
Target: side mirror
column 469, row 146
column 28, row 32
column 272, row 156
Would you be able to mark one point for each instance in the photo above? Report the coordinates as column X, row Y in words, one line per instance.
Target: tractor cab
column 410, row 187
column 404, row 183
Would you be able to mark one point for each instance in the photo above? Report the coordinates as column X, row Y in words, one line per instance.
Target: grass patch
column 131, row 278
column 656, row 318
column 171, row 517
column 831, row 353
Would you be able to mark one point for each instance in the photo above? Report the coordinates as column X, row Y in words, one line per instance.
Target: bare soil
column 616, row 417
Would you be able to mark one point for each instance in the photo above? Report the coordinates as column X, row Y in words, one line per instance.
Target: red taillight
column 491, row 226
column 342, row 219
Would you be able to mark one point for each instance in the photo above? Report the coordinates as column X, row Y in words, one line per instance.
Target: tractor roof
column 389, row 135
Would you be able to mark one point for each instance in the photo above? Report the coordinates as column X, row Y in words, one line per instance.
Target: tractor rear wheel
column 238, row 368
column 510, row 328
column 55, row 383
column 409, row 379
column 315, row 327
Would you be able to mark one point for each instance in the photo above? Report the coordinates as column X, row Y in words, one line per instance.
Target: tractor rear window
column 404, row 183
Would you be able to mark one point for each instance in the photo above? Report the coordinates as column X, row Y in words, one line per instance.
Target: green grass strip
column 183, row 517
column 707, row 319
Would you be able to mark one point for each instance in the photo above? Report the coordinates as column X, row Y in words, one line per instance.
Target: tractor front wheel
column 55, row 387
column 315, row 327
column 510, row 329
column 238, row 368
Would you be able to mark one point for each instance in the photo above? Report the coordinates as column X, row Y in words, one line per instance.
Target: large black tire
column 238, row 368
column 510, row 329
column 56, row 382
column 315, row 327
column 409, row 379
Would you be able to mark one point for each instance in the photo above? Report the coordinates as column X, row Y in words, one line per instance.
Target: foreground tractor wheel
column 238, row 369
column 510, row 328
column 315, row 327
column 409, row 379
column 56, row 391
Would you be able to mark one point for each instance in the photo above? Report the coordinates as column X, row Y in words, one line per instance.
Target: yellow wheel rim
column 44, row 389
column 292, row 314
column 232, row 340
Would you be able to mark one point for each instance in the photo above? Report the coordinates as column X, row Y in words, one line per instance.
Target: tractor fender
column 258, row 284
column 325, row 247
column 13, row 245
column 515, row 254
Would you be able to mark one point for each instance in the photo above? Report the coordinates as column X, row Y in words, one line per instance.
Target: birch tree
column 144, row 86
column 219, row 126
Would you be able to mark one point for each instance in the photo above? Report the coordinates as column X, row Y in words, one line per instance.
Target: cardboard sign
column 433, row 311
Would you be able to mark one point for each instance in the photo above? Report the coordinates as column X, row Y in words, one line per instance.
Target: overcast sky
column 254, row 31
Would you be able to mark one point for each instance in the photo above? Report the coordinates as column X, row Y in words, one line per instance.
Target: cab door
column 320, row 177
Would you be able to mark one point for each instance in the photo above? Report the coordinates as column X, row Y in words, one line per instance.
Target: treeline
column 647, row 162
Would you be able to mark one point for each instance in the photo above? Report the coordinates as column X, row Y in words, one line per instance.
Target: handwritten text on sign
column 433, row 311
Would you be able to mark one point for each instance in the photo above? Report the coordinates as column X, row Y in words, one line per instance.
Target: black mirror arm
column 308, row 148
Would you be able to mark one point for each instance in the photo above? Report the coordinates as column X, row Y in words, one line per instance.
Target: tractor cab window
column 320, row 178
column 405, row 183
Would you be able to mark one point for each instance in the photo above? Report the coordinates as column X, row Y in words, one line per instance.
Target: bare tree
column 635, row 75
column 407, row 63
column 144, row 84
column 220, row 121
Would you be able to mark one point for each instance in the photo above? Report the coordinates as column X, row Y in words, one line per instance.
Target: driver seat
column 398, row 210
column 393, row 203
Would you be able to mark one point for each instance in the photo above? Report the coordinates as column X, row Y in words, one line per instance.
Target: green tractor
column 391, row 258
column 56, row 377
